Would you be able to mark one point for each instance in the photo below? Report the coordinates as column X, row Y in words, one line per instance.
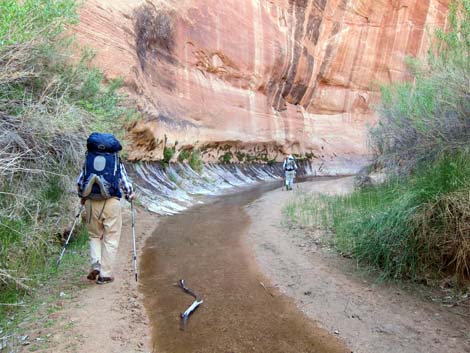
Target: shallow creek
column 204, row 246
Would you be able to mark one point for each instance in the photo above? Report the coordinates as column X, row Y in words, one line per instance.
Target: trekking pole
column 133, row 239
column 59, row 260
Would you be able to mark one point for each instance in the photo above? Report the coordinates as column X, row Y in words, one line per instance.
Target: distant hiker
column 289, row 169
column 99, row 186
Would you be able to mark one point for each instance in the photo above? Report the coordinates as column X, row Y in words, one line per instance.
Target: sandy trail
column 110, row 318
column 369, row 317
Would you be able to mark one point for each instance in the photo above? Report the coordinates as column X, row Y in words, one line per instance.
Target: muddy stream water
column 205, row 247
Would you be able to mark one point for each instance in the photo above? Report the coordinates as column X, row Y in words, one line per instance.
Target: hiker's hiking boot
column 93, row 275
column 104, row 280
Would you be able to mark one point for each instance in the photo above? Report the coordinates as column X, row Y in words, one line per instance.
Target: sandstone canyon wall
column 262, row 77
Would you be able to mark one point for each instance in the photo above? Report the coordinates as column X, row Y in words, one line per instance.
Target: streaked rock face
column 262, row 77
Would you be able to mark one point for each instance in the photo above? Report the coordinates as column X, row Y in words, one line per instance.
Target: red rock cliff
column 259, row 76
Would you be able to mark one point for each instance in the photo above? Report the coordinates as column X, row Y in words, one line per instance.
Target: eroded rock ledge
column 286, row 75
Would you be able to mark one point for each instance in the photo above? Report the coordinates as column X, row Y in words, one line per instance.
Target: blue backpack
column 102, row 167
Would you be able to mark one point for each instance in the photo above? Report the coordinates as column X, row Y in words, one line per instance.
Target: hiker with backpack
column 100, row 186
column 289, row 167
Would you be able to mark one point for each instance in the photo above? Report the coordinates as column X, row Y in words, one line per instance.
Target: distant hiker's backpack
column 290, row 164
column 102, row 167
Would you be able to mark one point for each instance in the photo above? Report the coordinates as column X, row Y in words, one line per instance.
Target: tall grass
column 414, row 228
column 48, row 105
column 417, row 225
column 422, row 119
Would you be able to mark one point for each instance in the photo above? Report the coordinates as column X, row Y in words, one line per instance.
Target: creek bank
column 175, row 188
column 105, row 318
column 368, row 316
column 204, row 247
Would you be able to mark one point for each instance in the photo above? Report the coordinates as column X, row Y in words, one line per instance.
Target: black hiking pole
column 59, row 260
column 133, row 239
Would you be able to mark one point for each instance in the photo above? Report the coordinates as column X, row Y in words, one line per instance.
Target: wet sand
column 205, row 247
column 370, row 316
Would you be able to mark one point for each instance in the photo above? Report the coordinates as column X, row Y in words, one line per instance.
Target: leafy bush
column 168, row 153
column 226, row 157
column 20, row 21
column 48, row 105
column 420, row 120
column 408, row 227
column 184, row 155
column 411, row 228
column 195, row 161
column 416, row 225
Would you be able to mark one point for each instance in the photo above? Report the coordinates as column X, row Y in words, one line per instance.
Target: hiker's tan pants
column 104, row 224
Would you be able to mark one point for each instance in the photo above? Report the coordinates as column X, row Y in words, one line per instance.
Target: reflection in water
column 204, row 246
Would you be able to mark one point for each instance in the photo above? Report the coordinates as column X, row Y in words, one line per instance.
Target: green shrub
column 48, row 105
column 21, row 20
column 422, row 119
column 184, row 155
column 271, row 162
column 168, row 153
column 226, row 157
column 195, row 161
column 415, row 227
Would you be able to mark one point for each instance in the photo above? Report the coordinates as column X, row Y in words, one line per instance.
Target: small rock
column 62, row 294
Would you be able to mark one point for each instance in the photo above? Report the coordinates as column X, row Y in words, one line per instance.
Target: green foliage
column 53, row 190
column 414, row 227
column 20, row 20
column 168, row 153
column 48, row 105
column 417, row 225
column 419, row 120
column 226, row 157
column 38, row 304
column 184, row 155
column 271, row 162
column 106, row 105
column 195, row 161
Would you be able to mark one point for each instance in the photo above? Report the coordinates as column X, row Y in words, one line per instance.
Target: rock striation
column 245, row 80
